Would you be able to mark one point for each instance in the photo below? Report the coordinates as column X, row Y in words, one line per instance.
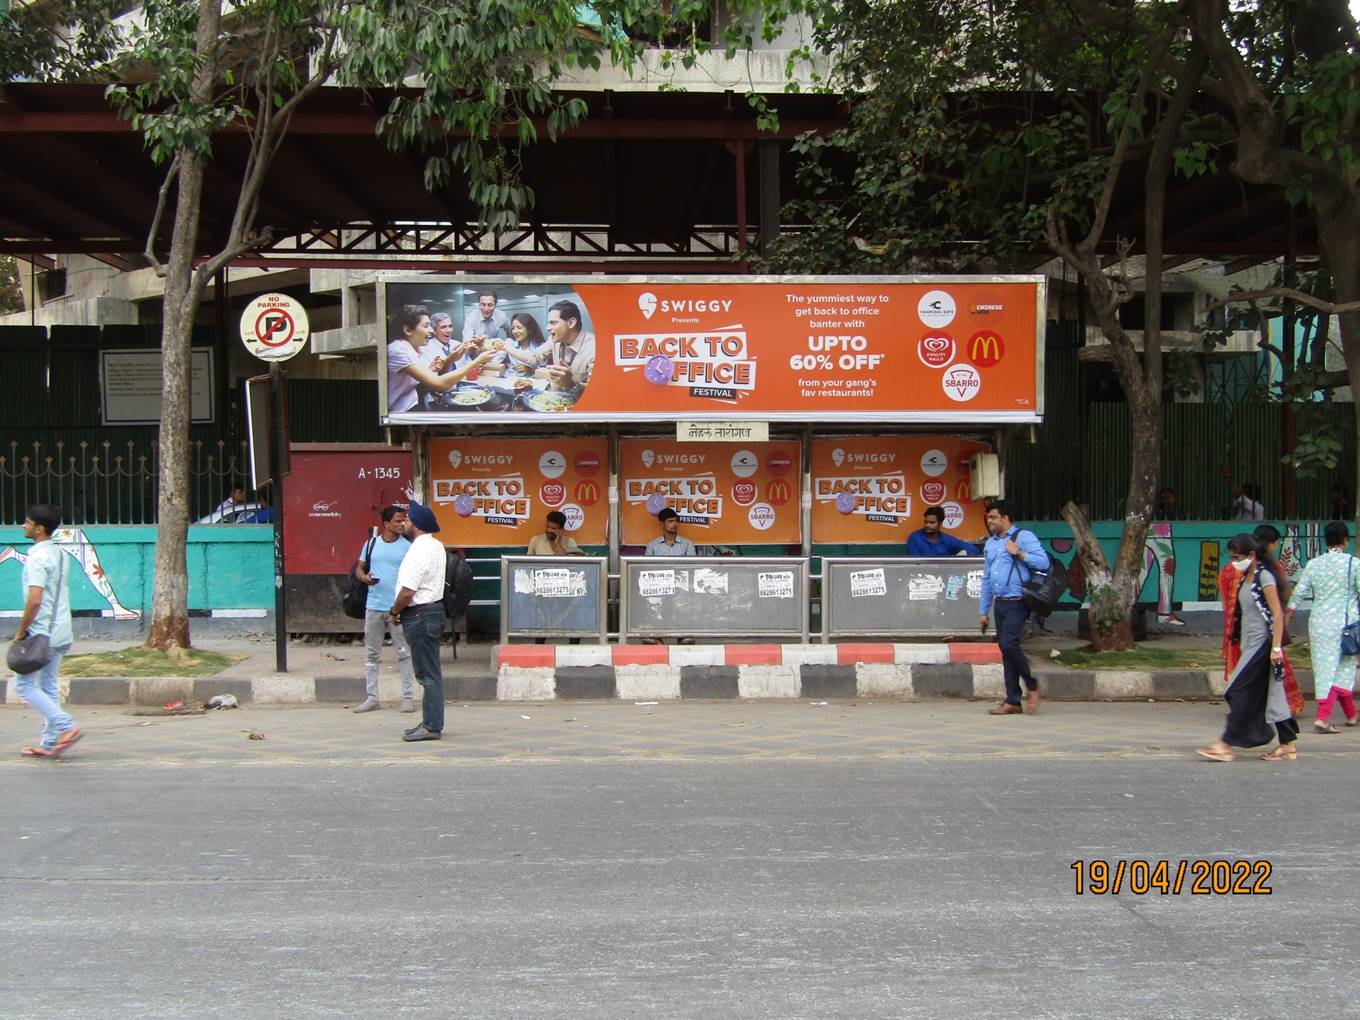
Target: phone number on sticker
column 1200, row 877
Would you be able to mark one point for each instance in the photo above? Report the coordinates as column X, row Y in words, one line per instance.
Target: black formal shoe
column 421, row 733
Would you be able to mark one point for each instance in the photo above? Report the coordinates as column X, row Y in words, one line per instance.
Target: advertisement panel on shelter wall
column 725, row 493
column 900, row 349
column 873, row 489
column 498, row 491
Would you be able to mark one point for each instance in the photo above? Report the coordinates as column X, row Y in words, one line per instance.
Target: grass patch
column 1144, row 658
column 139, row 661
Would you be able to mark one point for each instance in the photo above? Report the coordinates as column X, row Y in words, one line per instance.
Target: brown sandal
column 1326, row 727
column 1214, row 754
column 1285, row 752
column 1353, row 721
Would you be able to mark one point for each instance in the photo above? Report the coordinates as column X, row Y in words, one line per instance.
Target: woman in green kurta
column 1333, row 582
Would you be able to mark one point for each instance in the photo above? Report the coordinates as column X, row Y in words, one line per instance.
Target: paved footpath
column 790, row 859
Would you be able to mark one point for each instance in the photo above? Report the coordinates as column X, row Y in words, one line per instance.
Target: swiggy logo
column 986, row 349
column 587, row 493
column 777, row 492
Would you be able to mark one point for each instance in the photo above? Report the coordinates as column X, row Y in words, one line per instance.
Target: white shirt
column 423, row 570
column 1248, row 509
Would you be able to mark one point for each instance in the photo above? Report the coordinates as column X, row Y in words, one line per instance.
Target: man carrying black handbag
column 47, row 613
column 1009, row 558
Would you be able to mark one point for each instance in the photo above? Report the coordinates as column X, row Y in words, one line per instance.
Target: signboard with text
column 830, row 349
column 498, row 491
column 725, row 493
column 873, row 489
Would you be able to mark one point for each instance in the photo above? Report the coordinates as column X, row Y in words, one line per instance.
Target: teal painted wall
column 230, row 567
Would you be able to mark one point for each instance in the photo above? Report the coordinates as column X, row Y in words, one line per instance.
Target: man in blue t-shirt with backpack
column 378, row 562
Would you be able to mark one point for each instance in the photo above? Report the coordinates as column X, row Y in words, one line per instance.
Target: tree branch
column 1288, row 294
column 172, row 172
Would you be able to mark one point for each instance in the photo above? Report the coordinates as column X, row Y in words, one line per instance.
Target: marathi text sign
column 723, row 494
column 498, row 491
column 874, row 489
column 922, row 349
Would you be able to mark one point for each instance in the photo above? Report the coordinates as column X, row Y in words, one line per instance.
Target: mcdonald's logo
column 587, row 493
column 963, row 492
column 986, row 349
column 777, row 492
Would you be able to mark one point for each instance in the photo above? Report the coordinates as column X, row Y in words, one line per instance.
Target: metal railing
column 110, row 483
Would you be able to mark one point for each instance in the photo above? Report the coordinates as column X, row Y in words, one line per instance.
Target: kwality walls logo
column 712, row 363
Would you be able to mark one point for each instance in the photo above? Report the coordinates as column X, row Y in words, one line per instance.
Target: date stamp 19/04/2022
column 1198, row 877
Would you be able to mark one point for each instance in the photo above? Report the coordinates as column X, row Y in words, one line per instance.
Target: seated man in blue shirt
column 1009, row 557
column 931, row 541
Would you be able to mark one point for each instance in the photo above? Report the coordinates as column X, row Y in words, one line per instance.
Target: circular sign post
column 274, row 327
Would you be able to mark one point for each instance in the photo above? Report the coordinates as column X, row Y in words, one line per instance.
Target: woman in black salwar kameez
column 1258, row 708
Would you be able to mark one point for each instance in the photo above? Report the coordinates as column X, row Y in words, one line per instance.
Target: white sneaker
column 1171, row 620
column 407, row 705
column 367, row 705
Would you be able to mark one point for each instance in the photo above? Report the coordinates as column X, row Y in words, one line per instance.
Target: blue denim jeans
column 422, row 626
column 40, row 690
column 1010, row 624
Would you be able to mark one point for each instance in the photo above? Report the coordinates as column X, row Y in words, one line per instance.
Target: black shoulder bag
column 355, row 600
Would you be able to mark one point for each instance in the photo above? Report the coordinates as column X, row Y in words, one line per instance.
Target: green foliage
column 11, row 287
column 58, row 40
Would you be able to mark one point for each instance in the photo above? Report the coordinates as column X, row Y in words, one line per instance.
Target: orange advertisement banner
column 497, row 491
column 916, row 349
column 874, row 489
column 725, row 493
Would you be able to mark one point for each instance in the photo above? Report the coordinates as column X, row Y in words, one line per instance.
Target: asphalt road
column 612, row 860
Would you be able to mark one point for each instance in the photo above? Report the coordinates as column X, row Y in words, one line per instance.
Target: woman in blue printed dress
column 1332, row 580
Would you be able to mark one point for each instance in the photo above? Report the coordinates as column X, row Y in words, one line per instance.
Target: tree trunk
column 1110, row 627
column 170, row 597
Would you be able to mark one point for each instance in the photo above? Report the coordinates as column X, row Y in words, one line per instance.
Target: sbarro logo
column 575, row 516
column 552, row 464
column 936, row 309
column 935, row 350
column 961, row 383
column 953, row 515
column 761, row 516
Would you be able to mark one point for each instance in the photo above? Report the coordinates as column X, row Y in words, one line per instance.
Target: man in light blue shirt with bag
column 379, row 561
column 47, row 610
column 1009, row 557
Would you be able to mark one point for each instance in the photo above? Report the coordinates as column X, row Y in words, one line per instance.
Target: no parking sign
column 274, row 327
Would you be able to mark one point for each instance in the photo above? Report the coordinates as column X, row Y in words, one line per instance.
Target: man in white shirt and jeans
column 420, row 609
column 47, row 610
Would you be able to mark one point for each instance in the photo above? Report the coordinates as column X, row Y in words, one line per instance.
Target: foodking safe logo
column 962, row 383
column 935, row 350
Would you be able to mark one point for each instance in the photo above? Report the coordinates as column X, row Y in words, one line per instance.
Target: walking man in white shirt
column 47, row 610
column 379, row 561
column 420, row 609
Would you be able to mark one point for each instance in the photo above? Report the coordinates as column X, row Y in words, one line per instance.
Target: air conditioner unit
column 985, row 476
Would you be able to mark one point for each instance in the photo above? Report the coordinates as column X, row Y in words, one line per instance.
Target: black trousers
column 1010, row 624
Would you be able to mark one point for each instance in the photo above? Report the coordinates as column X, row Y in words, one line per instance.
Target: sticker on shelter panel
column 875, row 489
column 696, row 349
column 498, row 492
column 714, row 490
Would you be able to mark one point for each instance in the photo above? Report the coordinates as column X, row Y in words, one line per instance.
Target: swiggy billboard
column 890, row 349
column 873, row 489
column 497, row 491
column 725, row 493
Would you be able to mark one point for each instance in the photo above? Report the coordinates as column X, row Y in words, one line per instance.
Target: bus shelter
column 792, row 419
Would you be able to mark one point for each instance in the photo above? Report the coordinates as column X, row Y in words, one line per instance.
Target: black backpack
column 354, row 602
column 457, row 585
column 1043, row 588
